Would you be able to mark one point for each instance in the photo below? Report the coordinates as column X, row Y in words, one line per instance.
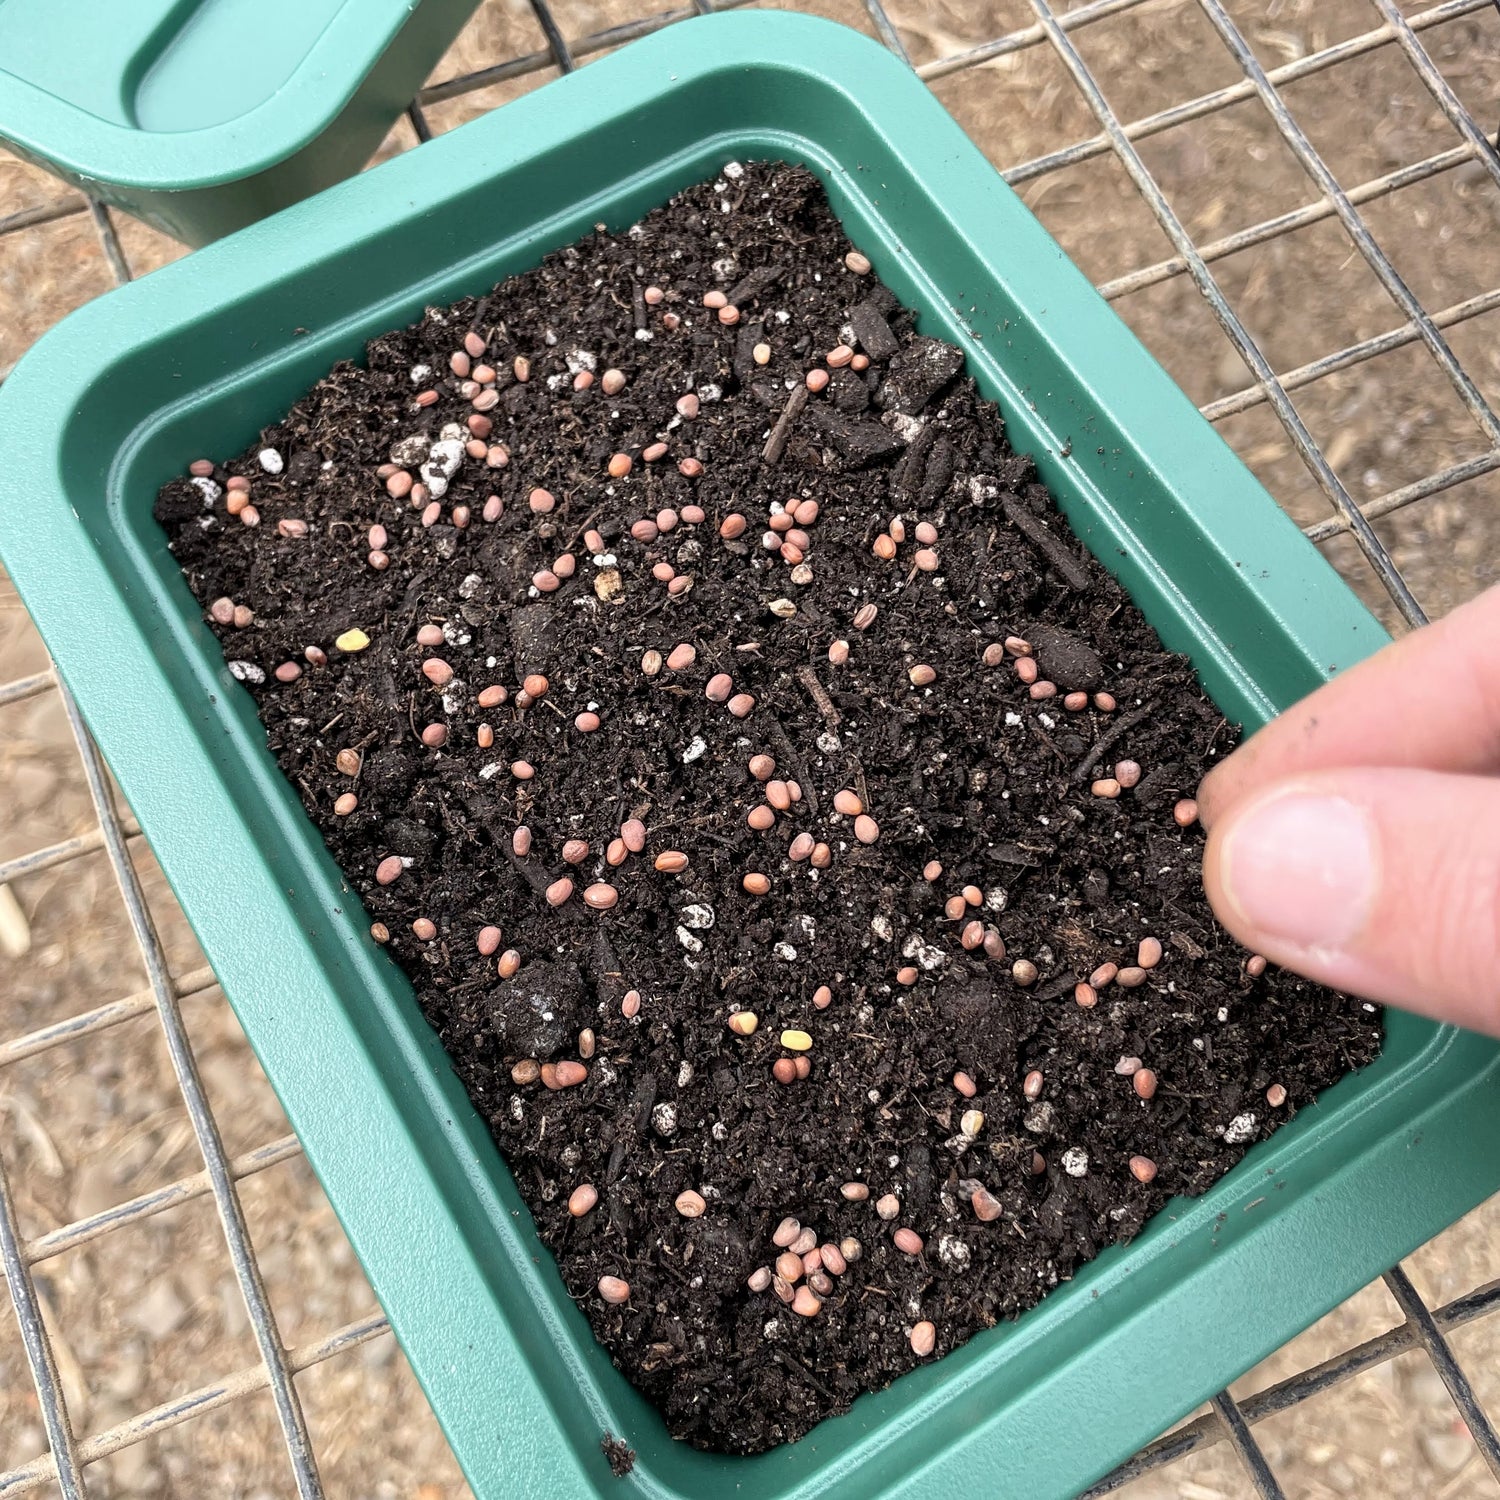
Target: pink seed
column 541, row 502
column 806, row 1302
column 985, row 1204
column 1027, row 669
column 741, row 704
column 800, row 848
column 644, row 530
column 345, row 803
column 559, row 891
column 965, row 1085
column 435, row 736
column 630, row 1004
column 822, row 997
column 620, row 464
column 720, row 685
column 715, row 299
column 1127, row 773
column 817, row 380
column 522, row 770
column 760, row 817
column 1144, row 1083
column 681, row 657
column 424, row 929
column 509, row 964
column 786, row 1232
column 922, row 676
column 1185, row 814
column 1076, row 702
column 972, row 935
column 1039, row 690
column 821, row 857
column 693, row 515
column 221, row 611
column 839, row 356
column 955, row 907
column 907, row 1241
column 1148, row 954
column 759, row 1279
column 437, row 671
column 926, row 560
column 575, row 851
column 663, row 572
column 1103, row 975
column 1142, row 1168
column 460, row 363
column 866, row 829
column 654, row 451
column 1276, row 1096
column 316, row 656
column 474, row 345
column 389, row 869
column 838, row 652
column 291, row 526
column 855, row 1192
column 1106, row 787
column 613, row 1290
column 848, row 803
column 250, row 516
column 864, row 616
column 398, row 486
column 492, row 696
column 612, row 382
column 923, row 1339
column 582, row 1199
column 431, row 513
column 488, row 941
column 1104, row 702
column 779, row 795
column 615, row 853
column 762, row 767
column 833, row 1259
column 671, row 861
column 546, row 581
column 586, row 722
column 600, row 896
column 565, row 565
column 1085, row 995
column 907, row 976
column 932, row 869
column 492, row 508
column 689, row 468
column 927, row 535
column 1130, row 978
column 1255, row 966
column 633, row 831
column 288, row 671
column 1031, row 1087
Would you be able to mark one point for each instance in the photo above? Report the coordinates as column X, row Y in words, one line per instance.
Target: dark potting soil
column 934, row 997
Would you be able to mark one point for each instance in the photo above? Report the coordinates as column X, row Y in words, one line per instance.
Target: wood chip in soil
column 923, row 716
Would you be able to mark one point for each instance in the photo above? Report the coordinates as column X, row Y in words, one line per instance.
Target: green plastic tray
column 202, row 115
column 197, row 357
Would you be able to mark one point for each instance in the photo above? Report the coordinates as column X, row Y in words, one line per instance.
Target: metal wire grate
column 1228, row 1421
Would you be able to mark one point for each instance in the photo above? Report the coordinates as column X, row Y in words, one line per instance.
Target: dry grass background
column 152, row 1311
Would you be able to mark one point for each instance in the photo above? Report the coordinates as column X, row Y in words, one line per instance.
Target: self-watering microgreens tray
column 202, row 115
column 198, row 357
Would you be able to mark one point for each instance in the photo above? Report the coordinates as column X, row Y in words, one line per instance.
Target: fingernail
column 1301, row 868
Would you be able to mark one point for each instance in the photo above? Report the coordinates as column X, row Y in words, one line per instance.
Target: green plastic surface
column 200, row 116
column 197, row 357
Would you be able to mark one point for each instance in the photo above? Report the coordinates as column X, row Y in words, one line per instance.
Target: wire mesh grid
column 1120, row 137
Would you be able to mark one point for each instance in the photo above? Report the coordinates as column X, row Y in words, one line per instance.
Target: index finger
column 1430, row 700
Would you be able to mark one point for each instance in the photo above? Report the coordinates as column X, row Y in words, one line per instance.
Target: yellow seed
column 352, row 640
column 972, row 1122
column 761, row 354
column 796, row 1041
column 744, row 1022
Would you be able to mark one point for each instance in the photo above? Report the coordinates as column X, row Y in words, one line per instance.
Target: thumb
column 1384, row 883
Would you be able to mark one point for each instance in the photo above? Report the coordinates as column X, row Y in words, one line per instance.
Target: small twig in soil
column 776, row 443
column 1111, row 737
column 1037, row 533
column 819, row 695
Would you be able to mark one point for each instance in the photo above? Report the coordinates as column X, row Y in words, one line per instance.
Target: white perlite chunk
column 270, row 461
column 688, row 941
column 1240, row 1129
column 1075, row 1161
column 696, row 750
column 699, row 916
column 208, row 489
column 785, row 952
column 246, row 671
column 953, row 1253
column 664, row 1119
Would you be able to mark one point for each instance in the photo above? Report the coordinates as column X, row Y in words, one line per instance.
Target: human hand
column 1357, row 838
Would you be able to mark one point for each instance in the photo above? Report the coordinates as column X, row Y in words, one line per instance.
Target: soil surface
column 912, row 1117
